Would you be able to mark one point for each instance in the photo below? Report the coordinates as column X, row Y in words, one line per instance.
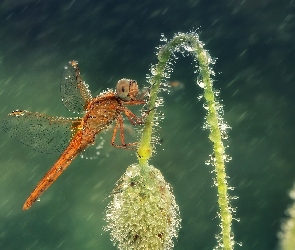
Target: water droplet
column 205, row 106
column 153, row 70
column 200, row 81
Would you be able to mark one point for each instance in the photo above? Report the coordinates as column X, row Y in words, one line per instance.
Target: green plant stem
column 190, row 42
column 287, row 234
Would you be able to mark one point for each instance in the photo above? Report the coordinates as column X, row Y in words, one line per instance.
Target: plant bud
column 143, row 213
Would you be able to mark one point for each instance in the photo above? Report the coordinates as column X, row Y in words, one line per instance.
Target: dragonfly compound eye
column 127, row 89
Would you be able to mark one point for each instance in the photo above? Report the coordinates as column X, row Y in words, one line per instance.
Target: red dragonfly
column 73, row 135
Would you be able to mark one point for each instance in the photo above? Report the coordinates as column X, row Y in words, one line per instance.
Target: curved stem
column 190, row 42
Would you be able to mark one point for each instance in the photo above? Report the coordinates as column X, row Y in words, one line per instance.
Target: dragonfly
column 73, row 135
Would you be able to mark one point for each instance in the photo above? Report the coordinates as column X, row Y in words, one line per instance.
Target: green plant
column 287, row 234
column 133, row 213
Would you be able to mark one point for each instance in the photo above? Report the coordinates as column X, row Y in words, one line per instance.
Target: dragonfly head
column 127, row 89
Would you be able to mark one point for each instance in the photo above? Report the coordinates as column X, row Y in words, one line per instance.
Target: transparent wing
column 74, row 92
column 43, row 133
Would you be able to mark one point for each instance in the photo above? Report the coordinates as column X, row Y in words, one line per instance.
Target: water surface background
column 254, row 44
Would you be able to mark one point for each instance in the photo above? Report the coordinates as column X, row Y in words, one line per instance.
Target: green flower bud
column 143, row 213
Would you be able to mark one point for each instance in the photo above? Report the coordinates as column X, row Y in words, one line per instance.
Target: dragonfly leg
column 145, row 92
column 119, row 123
column 135, row 102
column 132, row 117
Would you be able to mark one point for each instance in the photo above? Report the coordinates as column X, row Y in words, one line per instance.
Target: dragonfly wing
column 43, row 133
column 74, row 91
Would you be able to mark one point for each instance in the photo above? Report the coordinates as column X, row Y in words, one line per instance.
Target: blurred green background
column 254, row 43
